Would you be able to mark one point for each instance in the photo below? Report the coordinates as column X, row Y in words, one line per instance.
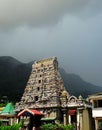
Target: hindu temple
column 45, row 92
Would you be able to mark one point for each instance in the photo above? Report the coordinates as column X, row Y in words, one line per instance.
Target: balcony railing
column 97, row 112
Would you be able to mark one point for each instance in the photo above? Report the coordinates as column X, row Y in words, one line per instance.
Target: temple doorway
column 72, row 117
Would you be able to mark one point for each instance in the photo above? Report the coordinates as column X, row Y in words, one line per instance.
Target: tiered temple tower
column 44, row 88
column 46, row 93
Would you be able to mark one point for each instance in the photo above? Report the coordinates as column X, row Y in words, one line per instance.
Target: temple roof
column 31, row 111
column 9, row 109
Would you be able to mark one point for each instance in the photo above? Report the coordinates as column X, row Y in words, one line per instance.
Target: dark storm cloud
column 44, row 12
column 68, row 29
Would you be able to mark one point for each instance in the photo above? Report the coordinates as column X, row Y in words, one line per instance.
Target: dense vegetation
column 43, row 127
column 57, row 127
column 13, row 127
column 13, row 78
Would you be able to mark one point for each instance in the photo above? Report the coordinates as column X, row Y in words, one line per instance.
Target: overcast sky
column 68, row 29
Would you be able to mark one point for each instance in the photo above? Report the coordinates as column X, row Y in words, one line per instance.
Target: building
column 31, row 118
column 45, row 92
column 7, row 116
column 96, row 100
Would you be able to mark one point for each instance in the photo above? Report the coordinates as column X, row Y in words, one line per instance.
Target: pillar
column 65, row 119
column 78, row 121
column 17, row 121
column 69, row 119
column 11, row 123
column 65, row 116
column 96, row 124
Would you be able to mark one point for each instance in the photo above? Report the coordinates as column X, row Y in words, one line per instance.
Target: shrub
column 49, row 126
column 67, row 127
column 13, row 127
column 57, row 127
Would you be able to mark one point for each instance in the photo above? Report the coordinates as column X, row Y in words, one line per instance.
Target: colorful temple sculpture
column 46, row 93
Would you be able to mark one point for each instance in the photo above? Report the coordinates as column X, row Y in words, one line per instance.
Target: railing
column 97, row 112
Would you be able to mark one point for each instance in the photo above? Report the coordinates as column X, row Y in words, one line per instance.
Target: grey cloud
column 75, row 39
column 43, row 12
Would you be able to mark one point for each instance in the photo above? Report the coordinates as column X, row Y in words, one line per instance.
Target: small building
column 96, row 100
column 31, row 118
column 7, row 116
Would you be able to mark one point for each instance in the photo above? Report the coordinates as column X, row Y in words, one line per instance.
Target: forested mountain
column 77, row 86
column 14, row 76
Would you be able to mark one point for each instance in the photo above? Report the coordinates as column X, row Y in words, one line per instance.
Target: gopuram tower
column 45, row 89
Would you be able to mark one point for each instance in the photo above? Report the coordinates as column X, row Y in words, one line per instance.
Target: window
column 100, row 124
column 36, row 98
column 39, row 81
column 44, row 102
column 95, row 104
column 99, row 103
column 38, row 88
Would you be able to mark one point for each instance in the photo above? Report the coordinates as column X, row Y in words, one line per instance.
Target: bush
column 67, row 127
column 49, row 126
column 13, row 127
column 56, row 127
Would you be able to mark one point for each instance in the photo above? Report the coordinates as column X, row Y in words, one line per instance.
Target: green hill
column 14, row 76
